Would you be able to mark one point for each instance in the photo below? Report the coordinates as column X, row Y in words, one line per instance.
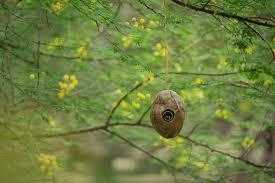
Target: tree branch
column 106, row 126
column 262, row 22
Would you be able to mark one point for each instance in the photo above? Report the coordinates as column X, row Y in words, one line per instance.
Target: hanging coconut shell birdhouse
column 167, row 113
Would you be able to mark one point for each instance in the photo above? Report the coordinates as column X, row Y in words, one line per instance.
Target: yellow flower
column 249, row 50
column 141, row 20
column 66, row 77
column 172, row 143
column 138, row 22
column 218, row 113
column 68, row 84
column 135, row 24
column 58, row 6
column 247, row 142
column 135, row 105
column 127, row 41
column 199, row 81
column 164, row 52
column 148, row 95
column 82, row 52
column 158, row 46
column 61, row 94
column 149, row 77
column 223, row 113
column 63, row 85
column 32, row 76
column 222, row 63
column 73, row 80
column 152, row 23
column 48, row 163
column 125, row 105
column 141, row 96
column 161, row 50
column 142, row 23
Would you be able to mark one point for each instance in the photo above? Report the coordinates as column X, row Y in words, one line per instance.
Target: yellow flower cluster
column 223, row 113
column 141, row 23
column 48, row 163
column 161, row 50
column 249, row 50
column 58, row 6
column 192, row 95
column 149, row 77
column 56, row 42
column 68, row 84
column 82, row 52
column 127, row 41
column 198, row 81
column 139, row 99
column 136, row 104
column 172, row 143
column 142, row 97
column 247, row 142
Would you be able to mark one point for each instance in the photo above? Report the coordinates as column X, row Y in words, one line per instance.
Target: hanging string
column 166, row 53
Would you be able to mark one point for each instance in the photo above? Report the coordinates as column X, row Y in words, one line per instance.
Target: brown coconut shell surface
column 167, row 113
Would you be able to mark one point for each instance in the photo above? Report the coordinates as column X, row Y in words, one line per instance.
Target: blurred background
column 69, row 67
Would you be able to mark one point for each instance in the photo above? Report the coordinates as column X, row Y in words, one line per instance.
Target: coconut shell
column 167, row 113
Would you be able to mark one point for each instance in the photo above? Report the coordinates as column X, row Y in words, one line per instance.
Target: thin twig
column 142, row 150
column 121, row 99
column 263, row 39
column 144, row 114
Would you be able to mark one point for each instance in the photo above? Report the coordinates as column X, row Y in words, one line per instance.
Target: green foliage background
column 223, row 69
